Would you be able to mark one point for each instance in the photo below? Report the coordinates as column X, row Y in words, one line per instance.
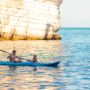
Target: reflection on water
column 31, row 78
column 73, row 72
column 24, row 78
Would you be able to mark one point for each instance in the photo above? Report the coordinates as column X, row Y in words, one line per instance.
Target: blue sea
column 73, row 73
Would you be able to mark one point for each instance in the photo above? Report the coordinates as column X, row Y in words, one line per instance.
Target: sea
column 73, row 72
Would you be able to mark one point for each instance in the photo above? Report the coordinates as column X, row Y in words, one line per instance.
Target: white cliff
column 29, row 19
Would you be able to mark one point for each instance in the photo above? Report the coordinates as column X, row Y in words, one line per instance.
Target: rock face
column 29, row 19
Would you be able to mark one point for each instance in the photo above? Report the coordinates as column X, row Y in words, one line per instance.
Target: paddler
column 12, row 57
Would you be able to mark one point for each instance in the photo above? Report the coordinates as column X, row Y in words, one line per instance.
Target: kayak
column 50, row 64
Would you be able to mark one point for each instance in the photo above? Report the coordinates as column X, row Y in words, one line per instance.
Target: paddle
column 15, row 55
column 10, row 53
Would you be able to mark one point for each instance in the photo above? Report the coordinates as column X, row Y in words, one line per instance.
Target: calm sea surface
column 73, row 73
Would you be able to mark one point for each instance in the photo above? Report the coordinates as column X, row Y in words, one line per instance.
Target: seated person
column 12, row 57
column 34, row 59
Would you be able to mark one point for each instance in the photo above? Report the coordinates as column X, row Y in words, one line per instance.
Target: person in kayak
column 12, row 57
column 34, row 59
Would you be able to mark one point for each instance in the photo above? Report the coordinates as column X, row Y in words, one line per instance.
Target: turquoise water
column 77, row 61
column 73, row 73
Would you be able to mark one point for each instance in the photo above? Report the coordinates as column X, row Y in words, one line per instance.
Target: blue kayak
column 7, row 63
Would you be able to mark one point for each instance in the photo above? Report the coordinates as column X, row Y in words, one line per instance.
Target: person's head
column 14, row 52
column 35, row 56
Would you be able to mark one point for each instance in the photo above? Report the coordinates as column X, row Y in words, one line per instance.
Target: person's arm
column 8, row 57
column 20, row 58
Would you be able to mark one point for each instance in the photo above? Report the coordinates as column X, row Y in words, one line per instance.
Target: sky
column 75, row 13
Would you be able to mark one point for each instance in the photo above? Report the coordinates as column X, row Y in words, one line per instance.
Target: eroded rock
column 29, row 19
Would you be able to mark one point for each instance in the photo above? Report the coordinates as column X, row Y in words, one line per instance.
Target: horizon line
column 75, row 27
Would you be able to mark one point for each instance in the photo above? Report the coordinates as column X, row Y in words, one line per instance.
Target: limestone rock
column 29, row 19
